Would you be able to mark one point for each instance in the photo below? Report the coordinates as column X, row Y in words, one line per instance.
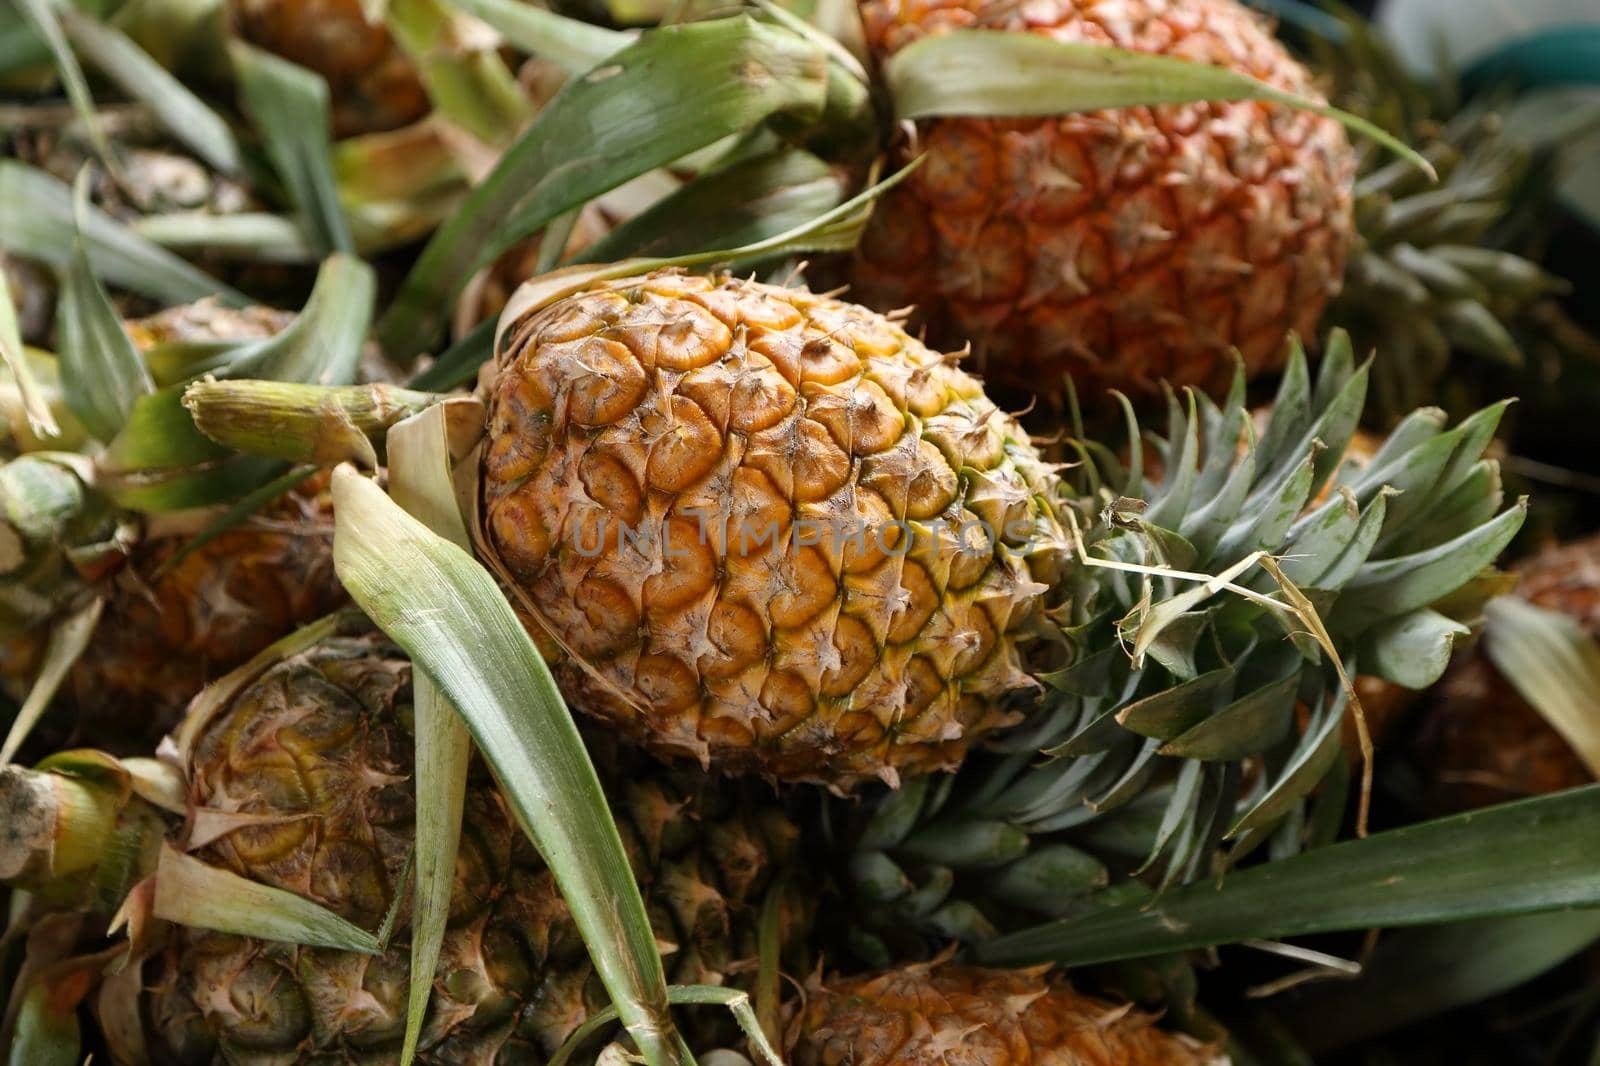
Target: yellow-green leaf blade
column 983, row 73
column 1554, row 665
column 193, row 893
column 438, row 603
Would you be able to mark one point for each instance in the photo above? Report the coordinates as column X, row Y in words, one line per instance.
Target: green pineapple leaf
column 438, row 603
column 1420, row 973
column 1012, row 75
column 467, row 82
column 44, row 17
column 290, row 106
column 180, row 111
column 677, row 90
column 37, row 221
column 419, row 480
column 742, row 204
column 102, row 374
column 577, row 46
column 194, row 893
column 1519, row 858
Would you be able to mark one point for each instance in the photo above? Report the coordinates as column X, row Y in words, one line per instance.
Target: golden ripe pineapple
column 770, row 530
column 933, row 1015
column 1122, row 247
column 776, row 530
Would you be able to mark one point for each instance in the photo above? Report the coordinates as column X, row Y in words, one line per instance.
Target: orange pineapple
column 1123, row 247
column 942, row 1015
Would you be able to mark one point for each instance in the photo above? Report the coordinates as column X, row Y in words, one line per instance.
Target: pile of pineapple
column 911, row 531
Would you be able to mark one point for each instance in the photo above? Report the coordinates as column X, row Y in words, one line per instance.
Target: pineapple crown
column 1210, row 633
column 1440, row 268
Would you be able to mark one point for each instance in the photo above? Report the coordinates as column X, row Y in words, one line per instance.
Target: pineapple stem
column 56, row 826
column 302, row 423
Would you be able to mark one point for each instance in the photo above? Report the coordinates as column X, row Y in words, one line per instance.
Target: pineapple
column 301, row 780
column 170, row 624
column 934, row 1015
column 373, row 86
column 1122, row 247
column 174, row 618
column 1479, row 741
column 740, row 508
column 674, row 468
column 651, row 444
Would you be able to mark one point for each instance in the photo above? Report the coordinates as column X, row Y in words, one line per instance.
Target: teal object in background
column 1464, row 33
column 1566, row 56
column 1303, row 16
column 1550, row 49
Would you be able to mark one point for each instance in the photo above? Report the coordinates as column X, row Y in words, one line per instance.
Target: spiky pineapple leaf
column 1258, row 719
column 1011, row 75
column 577, row 46
column 290, row 106
column 419, row 480
column 1554, row 664
column 180, row 111
column 1407, row 583
column 102, row 375
column 1412, row 649
column 439, row 604
column 37, row 222
column 677, row 90
column 1519, row 858
column 741, row 204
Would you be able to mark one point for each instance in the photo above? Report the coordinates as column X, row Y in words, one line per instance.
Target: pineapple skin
column 165, row 634
column 935, row 1015
column 672, row 473
column 318, row 750
column 1121, row 247
column 1479, row 742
